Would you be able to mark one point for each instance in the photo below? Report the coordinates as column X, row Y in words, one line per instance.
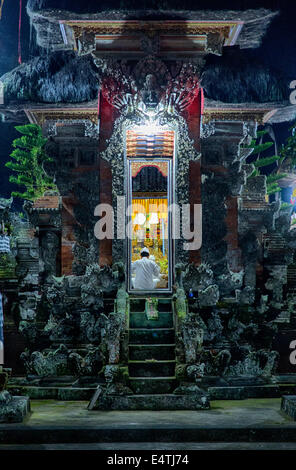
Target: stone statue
column 192, row 332
column 49, row 250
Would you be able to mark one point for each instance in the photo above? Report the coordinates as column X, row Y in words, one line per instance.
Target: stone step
column 139, row 320
column 152, row 368
column 138, row 305
column 245, row 392
column 152, row 385
column 157, row 436
column 285, row 378
column 288, row 406
column 140, row 352
column 164, row 305
column 54, row 393
column 151, row 335
column 153, row 402
column 15, row 409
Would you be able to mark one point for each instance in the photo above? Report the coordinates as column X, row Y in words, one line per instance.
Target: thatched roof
column 63, row 76
column 45, row 18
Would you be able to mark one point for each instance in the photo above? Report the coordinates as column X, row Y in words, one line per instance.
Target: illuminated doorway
column 149, row 198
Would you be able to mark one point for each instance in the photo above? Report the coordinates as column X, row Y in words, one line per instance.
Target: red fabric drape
column 202, row 101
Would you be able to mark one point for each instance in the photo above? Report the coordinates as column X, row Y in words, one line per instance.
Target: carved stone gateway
column 71, row 299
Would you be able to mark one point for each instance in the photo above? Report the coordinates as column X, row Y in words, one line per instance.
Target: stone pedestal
column 13, row 409
column 185, row 397
column 3, row 379
column 151, row 402
column 288, row 405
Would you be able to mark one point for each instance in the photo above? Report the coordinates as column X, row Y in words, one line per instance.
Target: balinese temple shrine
column 148, row 138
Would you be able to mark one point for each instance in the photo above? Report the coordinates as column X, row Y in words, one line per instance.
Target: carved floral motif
column 149, row 86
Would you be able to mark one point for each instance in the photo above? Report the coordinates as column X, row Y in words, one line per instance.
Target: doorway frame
column 170, row 194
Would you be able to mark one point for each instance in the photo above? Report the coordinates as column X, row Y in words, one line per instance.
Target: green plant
column 8, row 228
column 285, row 205
column 288, row 151
column 7, row 265
column 163, row 263
column 262, row 162
column 29, row 158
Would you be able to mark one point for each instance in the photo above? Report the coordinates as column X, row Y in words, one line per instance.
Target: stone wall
column 74, row 148
column 223, row 177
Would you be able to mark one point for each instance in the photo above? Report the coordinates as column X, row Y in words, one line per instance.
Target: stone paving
column 152, row 446
column 252, row 412
column 253, row 424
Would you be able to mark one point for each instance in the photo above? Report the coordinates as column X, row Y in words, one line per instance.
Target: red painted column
column 105, row 246
column 107, row 117
column 193, row 117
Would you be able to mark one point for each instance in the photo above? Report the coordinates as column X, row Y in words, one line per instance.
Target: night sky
column 278, row 49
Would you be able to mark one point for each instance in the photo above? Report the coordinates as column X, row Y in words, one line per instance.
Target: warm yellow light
column 140, row 219
column 154, row 218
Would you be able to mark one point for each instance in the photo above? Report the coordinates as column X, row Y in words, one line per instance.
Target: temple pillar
column 222, row 182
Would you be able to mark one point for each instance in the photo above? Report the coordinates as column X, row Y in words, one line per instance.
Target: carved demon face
column 150, row 82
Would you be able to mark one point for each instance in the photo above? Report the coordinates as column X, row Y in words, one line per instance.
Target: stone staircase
column 151, row 365
column 151, row 349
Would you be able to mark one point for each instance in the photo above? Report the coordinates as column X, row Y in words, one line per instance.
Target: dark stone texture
column 154, row 336
column 248, row 391
column 13, row 409
column 58, row 392
column 285, row 379
column 246, row 380
column 3, row 380
column 153, row 402
column 139, row 320
column 144, row 352
column 151, row 385
column 288, row 406
column 226, row 393
column 152, row 368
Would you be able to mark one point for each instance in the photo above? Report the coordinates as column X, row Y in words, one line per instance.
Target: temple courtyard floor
column 257, row 424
